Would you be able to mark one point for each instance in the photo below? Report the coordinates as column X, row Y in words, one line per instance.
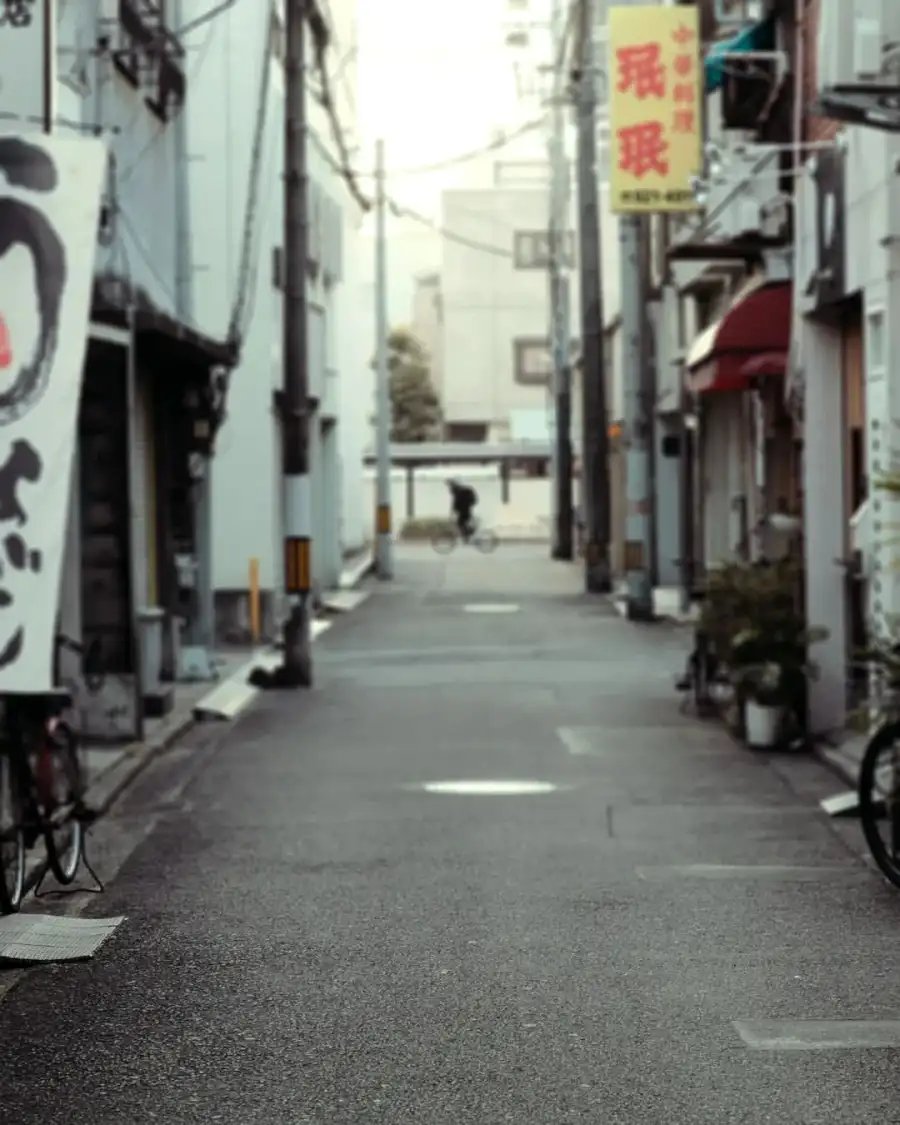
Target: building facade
column 235, row 128
column 781, row 328
column 152, row 382
column 427, row 324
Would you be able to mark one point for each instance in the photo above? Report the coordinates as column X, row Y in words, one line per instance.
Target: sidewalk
column 111, row 769
column 845, row 759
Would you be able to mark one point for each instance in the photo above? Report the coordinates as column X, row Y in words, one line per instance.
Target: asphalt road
column 312, row 937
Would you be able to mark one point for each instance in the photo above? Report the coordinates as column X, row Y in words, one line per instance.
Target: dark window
column 467, row 431
column 531, row 249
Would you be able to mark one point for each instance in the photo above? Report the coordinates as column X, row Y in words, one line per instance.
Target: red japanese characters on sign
column 642, row 74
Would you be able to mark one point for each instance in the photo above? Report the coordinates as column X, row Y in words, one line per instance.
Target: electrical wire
column 401, row 211
column 191, row 78
column 237, row 324
column 143, row 252
column 327, row 101
column 464, row 157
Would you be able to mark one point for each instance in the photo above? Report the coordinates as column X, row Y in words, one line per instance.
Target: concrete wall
column 872, row 268
column 231, row 53
column 428, row 324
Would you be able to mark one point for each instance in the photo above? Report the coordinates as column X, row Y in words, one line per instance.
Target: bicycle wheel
column 879, row 800
column 444, row 541
column 12, row 840
column 484, row 540
column 60, row 783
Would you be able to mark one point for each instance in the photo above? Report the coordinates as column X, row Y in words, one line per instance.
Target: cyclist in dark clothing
column 463, row 501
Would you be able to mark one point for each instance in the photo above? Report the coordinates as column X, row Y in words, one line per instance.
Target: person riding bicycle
column 463, row 501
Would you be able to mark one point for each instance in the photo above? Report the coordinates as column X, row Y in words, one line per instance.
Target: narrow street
column 313, row 938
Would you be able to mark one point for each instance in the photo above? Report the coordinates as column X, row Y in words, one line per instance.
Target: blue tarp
column 756, row 37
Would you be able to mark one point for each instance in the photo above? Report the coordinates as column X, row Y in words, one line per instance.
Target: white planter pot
column 762, row 724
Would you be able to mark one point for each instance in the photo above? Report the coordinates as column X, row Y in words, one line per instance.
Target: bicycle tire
column 869, row 807
column 485, row 541
column 64, row 837
column 12, row 841
column 443, row 542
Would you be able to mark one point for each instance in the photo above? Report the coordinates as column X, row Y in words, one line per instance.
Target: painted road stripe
column 786, row 872
column 491, row 607
column 818, row 1035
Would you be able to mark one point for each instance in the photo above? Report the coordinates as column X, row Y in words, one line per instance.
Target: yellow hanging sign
column 655, row 108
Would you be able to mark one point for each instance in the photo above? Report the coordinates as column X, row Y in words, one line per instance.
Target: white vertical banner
column 49, row 211
column 27, row 49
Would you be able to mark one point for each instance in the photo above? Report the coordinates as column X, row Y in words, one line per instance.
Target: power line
column 237, row 325
column 464, row 157
column 327, row 101
column 473, row 244
column 144, row 253
column 191, row 78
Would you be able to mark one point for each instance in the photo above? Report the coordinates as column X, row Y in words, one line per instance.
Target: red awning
column 751, row 340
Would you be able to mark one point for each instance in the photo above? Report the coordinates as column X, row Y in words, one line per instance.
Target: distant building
column 428, row 324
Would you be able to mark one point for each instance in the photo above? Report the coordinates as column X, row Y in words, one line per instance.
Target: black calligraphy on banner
column 24, row 376
column 16, row 13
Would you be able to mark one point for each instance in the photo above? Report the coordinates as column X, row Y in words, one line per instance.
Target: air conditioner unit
column 738, row 201
column 853, row 38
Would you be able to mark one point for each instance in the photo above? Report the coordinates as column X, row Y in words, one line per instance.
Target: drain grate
column 49, row 937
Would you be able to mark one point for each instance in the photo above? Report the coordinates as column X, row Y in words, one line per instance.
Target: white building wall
column 872, row 267
column 488, row 302
column 247, row 491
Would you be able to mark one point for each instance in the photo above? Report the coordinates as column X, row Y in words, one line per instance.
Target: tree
column 415, row 408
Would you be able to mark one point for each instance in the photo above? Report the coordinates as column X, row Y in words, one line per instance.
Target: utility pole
column 638, row 429
column 383, row 548
column 595, row 437
column 559, row 301
column 297, row 670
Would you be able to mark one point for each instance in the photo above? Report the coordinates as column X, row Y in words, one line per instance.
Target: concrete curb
column 102, row 793
column 354, row 574
column 105, row 790
column 837, row 763
column 112, row 782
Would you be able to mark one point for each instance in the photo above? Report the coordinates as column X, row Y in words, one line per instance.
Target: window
column 531, row 249
column 532, row 362
column 875, row 357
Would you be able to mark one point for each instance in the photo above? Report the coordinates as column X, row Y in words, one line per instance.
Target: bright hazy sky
column 434, row 80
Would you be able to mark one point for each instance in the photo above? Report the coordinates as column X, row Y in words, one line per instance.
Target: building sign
column 23, row 49
column 49, row 210
column 655, row 109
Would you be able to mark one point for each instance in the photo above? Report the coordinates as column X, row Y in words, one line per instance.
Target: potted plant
column 765, row 703
column 771, row 671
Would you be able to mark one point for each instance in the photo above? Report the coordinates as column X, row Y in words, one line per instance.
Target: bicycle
column 42, row 788
column 878, row 789
column 481, row 538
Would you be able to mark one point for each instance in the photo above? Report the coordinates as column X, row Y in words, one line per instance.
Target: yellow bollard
column 254, row 599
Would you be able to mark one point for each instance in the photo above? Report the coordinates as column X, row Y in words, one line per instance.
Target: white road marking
column 577, row 740
column 492, row 607
column 490, row 788
column 818, row 1035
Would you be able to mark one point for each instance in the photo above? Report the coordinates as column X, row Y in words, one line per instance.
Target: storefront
column 733, row 369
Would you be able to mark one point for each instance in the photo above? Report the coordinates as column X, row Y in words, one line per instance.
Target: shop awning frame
column 757, row 37
column 750, row 341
